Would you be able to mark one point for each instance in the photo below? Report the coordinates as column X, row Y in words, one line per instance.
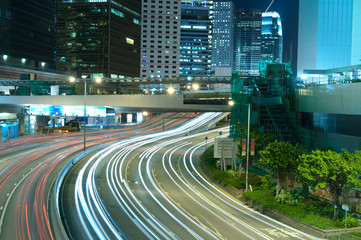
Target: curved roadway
column 30, row 166
column 150, row 187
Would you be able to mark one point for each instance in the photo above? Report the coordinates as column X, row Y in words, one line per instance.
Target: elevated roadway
column 121, row 103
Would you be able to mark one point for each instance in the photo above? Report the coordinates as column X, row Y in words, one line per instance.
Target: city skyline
column 288, row 11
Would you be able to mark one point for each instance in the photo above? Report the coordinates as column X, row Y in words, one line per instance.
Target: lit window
column 130, row 41
column 136, row 21
column 116, row 12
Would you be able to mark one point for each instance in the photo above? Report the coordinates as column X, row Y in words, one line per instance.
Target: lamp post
column 85, row 116
column 231, row 103
column 84, row 77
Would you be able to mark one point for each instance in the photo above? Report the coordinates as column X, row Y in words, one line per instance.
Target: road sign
column 345, row 207
column 227, row 145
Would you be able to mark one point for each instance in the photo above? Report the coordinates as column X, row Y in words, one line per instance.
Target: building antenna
column 269, row 6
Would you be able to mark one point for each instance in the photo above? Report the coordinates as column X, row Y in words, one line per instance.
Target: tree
column 282, row 159
column 337, row 171
column 261, row 141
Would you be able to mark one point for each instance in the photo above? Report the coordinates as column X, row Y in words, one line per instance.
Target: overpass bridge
column 120, row 103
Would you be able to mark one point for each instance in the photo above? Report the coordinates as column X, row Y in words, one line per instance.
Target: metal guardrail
column 339, row 234
column 60, row 180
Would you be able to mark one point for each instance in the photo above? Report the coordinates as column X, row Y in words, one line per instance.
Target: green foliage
column 253, row 179
column 281, row 155
column 208, row 159
column 267, row 183
column 309, row 210
column 282, row 159
column 351, row 222
column 338, row 171
column 290, row 197
column 232, row 173
column 227, row 178
column 261, row 139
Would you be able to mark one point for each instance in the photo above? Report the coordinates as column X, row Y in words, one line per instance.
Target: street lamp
column 195, row 87
column 231, row 103
column 84, row 77
column 171, row 90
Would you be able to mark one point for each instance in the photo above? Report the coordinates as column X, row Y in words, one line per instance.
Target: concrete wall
column 343, row 100
column 339, row 99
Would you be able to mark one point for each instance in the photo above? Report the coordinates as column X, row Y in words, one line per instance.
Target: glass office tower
column 27, row 33
column 272, row 37
column 99, row 38
column 329, row 34
column 195, row 45
column 222, row 36
column 248, row 33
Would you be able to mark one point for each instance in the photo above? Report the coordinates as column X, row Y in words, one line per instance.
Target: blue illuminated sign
column 67, row 110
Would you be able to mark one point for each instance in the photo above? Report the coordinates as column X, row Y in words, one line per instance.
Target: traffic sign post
column 345, row 207
column 225, row 148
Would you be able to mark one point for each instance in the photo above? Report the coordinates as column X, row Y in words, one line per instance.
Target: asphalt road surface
column 151, row 187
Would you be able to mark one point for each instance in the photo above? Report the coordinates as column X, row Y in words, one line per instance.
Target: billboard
column 59, row 110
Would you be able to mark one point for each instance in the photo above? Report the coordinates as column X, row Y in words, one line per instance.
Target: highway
column 151, row 187
column 29, row 168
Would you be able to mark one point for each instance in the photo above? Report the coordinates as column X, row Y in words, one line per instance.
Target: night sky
column 288, row 10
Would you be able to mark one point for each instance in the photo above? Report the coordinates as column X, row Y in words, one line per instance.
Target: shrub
column 253, row 179
column 289, row 197
column 232, row 173
column 266, row 182
column 351, row 222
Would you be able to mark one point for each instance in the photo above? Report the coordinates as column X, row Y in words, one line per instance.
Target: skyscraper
column 248, row 33
column 99, row 38
column 329, row 34
column 27, row 33
column 196, row 30
column 272, row 37
column 222, row 37
column 160, row 38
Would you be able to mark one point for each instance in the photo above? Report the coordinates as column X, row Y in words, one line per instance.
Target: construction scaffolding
column 271, row 98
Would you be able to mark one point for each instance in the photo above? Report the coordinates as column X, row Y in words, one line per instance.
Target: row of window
column 159, row 71
column 159, row 51
column 159, row 46
column 161, row 2
column 159, row 56
column 160, row 37
column 160, row 16
column 160, row 21
column 161, row 12
column 158, row 66
column 160, row 41
column 159, row 61
column 158, row 76
column 161, row 32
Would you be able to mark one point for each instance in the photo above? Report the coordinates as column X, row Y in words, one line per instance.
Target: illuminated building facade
column 99, row 38
column 196, row 33
column 248, row 34
column 160, row 38
column 27, row 33
column 329, row 34
column 272, row 37
column 222, row 37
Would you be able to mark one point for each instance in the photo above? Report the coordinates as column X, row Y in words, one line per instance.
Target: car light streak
column 238, row 204
column 206, row 200
column 27, row 174
column 85, row 199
